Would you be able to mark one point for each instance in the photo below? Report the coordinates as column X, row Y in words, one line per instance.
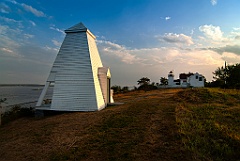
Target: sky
column 135, row 38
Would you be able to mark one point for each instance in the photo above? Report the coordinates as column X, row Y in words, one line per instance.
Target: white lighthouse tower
column 170, row 78
column 81, row 83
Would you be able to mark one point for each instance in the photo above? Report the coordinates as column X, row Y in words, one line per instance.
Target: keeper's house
column 81, row 83
column 185, row 80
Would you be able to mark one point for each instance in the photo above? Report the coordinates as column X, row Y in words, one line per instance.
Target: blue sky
column 136, row 38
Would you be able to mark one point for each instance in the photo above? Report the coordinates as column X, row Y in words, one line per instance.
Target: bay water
column 25, row 96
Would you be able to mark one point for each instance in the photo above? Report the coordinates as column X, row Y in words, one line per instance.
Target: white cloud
column 115, row 50
column 236, row 28
column 176, row 38
column 192, row 32
column 231, row 57
column 214, row 37
column 202, row 57
column 237, row 37
column 4, row 8
column 50, row 49
column 33, row 10
column 167, row 18
column 9, row 20
column 157, row 62
column 56, row 43
column 12, row 1
column 9, row 53
column 31, row 66
column 113, row 45
column 7, row 50
column 11, row 40
column 214, row 2
column 29, row 9
column 8, row 37
column 234, row 49
column 212, row 32
column 57, row 29
column 8, row 42
column 27, row 36
column 153, row 56
column 32, row 23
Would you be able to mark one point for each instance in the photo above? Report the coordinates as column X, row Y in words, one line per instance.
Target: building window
column 196, row 76
column 200, row 78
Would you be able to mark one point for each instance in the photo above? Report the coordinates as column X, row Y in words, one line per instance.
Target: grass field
column 166, row 124
column 209, row 123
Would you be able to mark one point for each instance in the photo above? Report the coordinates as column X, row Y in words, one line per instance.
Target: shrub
column 146, row 87
column 17, row 112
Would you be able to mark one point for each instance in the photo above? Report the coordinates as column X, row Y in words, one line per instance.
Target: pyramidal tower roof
column 80, row 27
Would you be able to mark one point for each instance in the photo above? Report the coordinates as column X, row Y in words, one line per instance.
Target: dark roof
column 77, row 28
column 184, row 75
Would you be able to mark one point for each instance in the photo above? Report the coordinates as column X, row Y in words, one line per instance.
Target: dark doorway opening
column 108, row 90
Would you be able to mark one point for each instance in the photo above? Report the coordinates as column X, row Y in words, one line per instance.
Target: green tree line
column 227, row 77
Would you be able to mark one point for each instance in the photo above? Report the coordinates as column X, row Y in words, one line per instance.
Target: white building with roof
column 185, row 80
column 81, row 83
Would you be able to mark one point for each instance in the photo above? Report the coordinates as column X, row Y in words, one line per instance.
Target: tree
column 116, row 89
column 163, row 81
column 228, row 76
column 143, row 81
column 233, row 77
column 153, row 84
column 220, row 76
column 125, row 89
column 134, row 88
column 145, row 84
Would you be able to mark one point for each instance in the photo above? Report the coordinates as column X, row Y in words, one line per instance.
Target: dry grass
column 153, row 125
column 208, row 121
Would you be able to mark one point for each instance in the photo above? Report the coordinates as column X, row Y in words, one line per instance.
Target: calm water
column 21, row 95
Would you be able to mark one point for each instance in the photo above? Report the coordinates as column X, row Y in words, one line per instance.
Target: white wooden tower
column 81, row 83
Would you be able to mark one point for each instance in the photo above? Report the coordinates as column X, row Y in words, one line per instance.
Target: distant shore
column 24, row 95
column 22, row 85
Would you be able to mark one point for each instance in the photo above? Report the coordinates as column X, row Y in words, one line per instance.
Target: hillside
column 167, row 124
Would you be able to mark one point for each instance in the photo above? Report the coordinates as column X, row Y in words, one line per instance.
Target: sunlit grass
column 170, row 124
column 211, row 130
column 133, row 132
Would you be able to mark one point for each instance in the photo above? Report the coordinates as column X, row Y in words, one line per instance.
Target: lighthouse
column 171, row 78
column 80, row 82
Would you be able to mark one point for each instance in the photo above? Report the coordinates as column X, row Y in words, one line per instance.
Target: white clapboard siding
column 104, row 75
column 75, row 73
column 96, row 63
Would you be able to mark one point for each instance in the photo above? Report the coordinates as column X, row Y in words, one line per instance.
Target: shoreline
column 5, row 108
column 21, row 85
